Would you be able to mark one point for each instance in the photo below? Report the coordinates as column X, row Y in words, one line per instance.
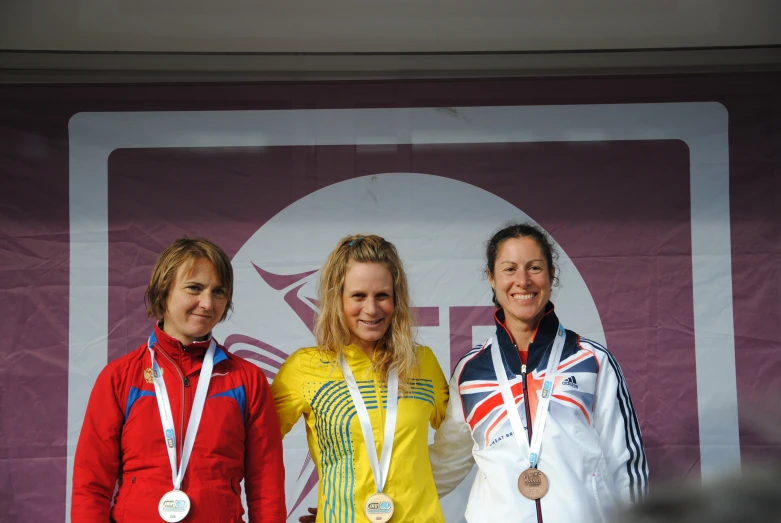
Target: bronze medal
column 533, row 483
column 379, row 508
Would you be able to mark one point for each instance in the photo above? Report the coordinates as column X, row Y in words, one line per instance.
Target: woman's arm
column 96, row 465
column 430, row 369
column 619, row 431
column 286, row 390
column 264, row 467
column 451, row 453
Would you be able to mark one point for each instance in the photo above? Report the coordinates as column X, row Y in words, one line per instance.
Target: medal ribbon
column 169, row 432
column 379, row 469
column 542, row 406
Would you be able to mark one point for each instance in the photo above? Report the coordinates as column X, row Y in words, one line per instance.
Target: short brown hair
column 183, row 253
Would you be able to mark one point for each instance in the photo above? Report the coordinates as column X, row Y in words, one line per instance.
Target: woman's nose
column 370, row 306
column 207, row 301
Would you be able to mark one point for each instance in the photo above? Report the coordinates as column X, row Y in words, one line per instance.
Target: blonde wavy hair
column 395, row 350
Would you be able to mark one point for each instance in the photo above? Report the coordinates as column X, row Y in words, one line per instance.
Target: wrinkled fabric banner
column 97, row 183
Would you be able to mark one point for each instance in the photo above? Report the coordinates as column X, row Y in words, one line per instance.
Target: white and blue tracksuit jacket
column 592, row 451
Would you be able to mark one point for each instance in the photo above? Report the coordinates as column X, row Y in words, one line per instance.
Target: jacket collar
column 160, row 340
column 542, row 339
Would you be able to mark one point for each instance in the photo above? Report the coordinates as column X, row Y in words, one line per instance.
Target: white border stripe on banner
column 701, row 125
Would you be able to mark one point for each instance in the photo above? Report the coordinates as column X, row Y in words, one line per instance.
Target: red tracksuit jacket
column 122, row 440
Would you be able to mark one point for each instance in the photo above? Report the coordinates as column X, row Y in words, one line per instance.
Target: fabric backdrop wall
column 661, row 193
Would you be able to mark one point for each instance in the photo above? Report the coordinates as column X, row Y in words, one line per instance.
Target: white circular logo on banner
column 439, row 227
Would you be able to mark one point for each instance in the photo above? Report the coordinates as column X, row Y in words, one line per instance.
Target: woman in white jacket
column 573, row 450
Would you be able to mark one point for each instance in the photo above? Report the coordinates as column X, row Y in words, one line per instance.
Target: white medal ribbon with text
column 542, row 406
column 175, row 504
column 379, row 506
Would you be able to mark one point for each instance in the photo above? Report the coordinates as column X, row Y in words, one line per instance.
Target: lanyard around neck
column 379, row 468
column 164, row 405
column 542, row 406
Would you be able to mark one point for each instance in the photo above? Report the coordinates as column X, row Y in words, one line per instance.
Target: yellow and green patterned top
column 311, row 384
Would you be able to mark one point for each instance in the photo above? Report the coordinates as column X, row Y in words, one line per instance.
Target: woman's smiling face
column 367, row 302
column 522, row 281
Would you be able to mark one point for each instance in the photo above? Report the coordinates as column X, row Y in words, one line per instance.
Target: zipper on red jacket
column 529, row 428
column 185, row 383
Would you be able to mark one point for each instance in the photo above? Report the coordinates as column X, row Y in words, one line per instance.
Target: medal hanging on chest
column 175, row 504
column 532, row 482
column 379, row 507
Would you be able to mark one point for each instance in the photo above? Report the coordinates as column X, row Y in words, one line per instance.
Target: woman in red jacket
column 173, row 427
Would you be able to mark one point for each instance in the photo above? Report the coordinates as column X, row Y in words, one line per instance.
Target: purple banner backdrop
column 621, row 212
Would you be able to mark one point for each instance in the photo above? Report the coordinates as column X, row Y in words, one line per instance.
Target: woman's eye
column 535, row 269
column 219, row 292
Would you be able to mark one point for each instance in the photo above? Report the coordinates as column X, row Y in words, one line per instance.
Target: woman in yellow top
column 371, row 452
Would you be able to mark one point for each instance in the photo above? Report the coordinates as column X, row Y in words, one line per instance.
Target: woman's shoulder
column 306, row 365
column 584, row 343
column 127, row 363
column 604, row 358
column 300, row 352
column 475, row 355
column 309, row 359
column 423, row 351
column 124, row 372
column 306, row 353
column 430, row 368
